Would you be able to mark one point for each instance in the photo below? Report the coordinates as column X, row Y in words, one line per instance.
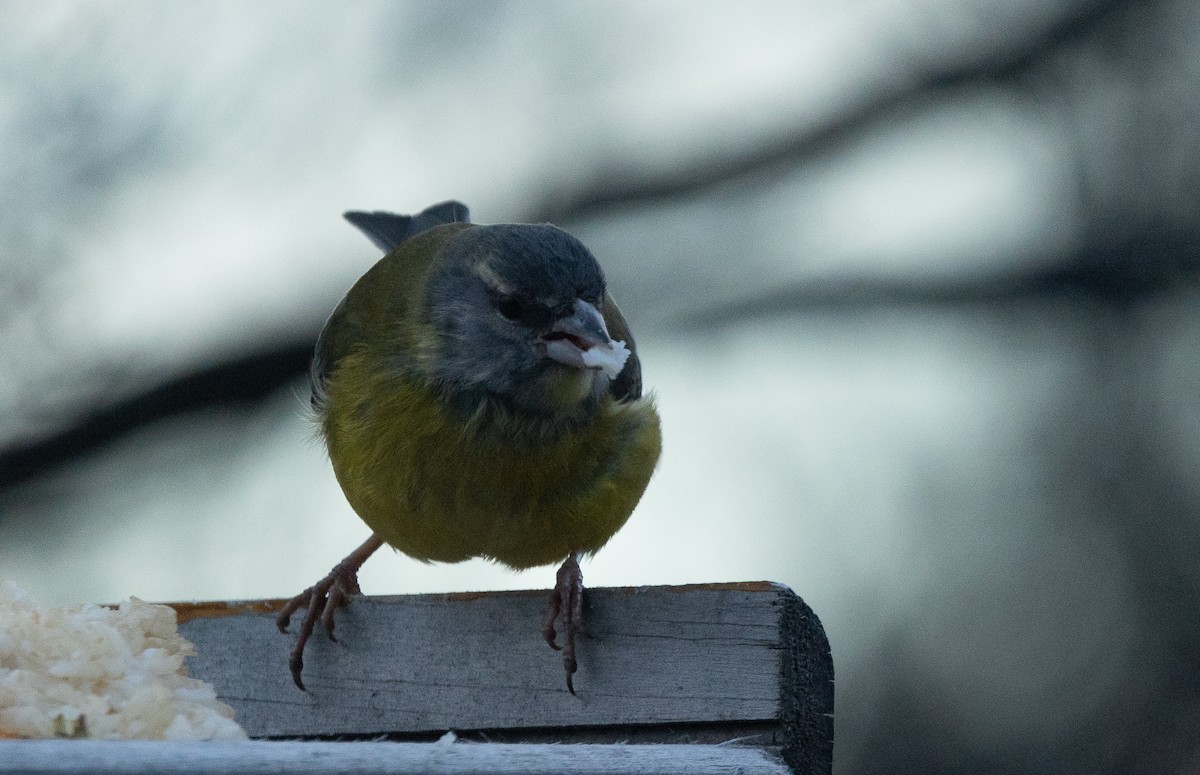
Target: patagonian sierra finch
column 480, row 395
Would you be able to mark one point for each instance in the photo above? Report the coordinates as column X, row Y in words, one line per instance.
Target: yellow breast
column 439, row 486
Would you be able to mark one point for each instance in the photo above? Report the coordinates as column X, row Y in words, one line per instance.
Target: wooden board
column 50, row 757
column 703, row 662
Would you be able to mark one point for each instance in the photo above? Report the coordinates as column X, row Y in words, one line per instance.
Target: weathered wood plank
column 52, row 757
column 747, row 658
column 428, row 663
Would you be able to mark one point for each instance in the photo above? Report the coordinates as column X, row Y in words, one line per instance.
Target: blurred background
column 915, row 283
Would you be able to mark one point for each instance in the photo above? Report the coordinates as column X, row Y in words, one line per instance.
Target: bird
column 480, row 395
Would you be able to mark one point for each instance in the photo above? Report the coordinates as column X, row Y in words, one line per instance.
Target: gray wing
column 628, row 384
column 387, row 230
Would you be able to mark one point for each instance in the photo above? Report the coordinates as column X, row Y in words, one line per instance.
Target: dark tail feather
column 387, row 230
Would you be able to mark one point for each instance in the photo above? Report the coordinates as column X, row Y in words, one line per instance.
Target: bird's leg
column 567, row 601
column 322, row 599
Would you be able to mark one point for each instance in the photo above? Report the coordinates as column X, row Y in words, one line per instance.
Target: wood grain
column 692, row 664
column 49, row 757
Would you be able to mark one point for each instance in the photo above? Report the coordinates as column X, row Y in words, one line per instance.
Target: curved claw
column 333, row 602
column 321, row 601
column 566, row 601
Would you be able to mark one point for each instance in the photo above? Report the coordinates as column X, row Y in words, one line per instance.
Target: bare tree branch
column 619, row 187
column 254, row 377
column 243, row 381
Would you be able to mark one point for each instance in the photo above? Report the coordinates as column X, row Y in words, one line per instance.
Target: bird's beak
column 581, row 340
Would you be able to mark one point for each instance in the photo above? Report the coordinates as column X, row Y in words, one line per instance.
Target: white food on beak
column 581, row 340
column 610, row 358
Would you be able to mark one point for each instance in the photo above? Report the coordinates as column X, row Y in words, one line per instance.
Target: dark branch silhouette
column 620, row 187
column 242, row 381
column 1096, row 272
column 256, row 376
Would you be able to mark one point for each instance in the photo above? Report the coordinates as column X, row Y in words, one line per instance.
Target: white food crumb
column 609, row 358
column 447, row 739
column 103, row 673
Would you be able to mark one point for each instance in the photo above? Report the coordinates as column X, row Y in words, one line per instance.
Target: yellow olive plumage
column 480, row 395
column 509, row 490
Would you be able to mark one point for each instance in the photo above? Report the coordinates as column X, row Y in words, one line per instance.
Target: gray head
column 516, row 309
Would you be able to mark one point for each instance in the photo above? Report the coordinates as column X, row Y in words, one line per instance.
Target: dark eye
column 525, row 311
column 511, row 307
